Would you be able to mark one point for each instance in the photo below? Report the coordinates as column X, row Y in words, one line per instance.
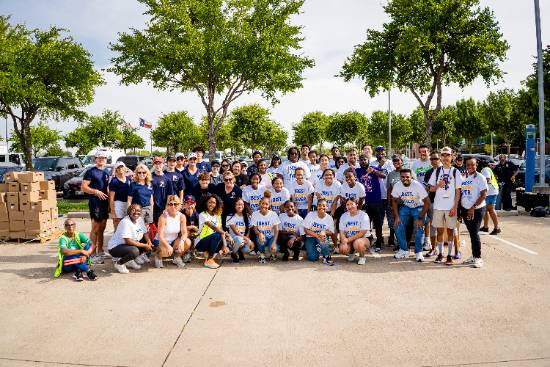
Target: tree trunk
column 428, row 121
column 27, row 143
column 211, row 137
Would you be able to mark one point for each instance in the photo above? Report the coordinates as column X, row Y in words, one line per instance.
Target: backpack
column 538, row 211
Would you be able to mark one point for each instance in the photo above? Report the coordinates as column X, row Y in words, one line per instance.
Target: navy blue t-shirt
column 176, row 182
column 161, row 189
column 120, row 188
column 99, row 179
column 190, row 181
column 372, row 185
column 192, row 220
column 204, row 167
column 141, row 194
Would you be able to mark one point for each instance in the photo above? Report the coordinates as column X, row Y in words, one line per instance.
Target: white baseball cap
column 100, row 153
column 192, row 155
column 179, row 154
column 119, row 164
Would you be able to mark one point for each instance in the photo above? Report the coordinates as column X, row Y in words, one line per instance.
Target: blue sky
column 331, row 29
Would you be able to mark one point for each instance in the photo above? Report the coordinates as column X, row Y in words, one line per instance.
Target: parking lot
column 388, row 313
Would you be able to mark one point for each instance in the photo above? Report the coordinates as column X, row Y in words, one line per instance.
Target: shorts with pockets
column 491, row 199
column 441, row 219
column 147, row 214
column 121, row 208
column 99, row 209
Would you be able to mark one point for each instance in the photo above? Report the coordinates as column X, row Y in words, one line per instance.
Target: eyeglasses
column 173, row 204
column 225, row 165
column 434, row 159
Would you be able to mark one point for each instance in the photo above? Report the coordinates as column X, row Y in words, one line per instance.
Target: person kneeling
column 318, row 228
column 130, row 241
column 289, row 234
column 354, row 232
column 74, row 253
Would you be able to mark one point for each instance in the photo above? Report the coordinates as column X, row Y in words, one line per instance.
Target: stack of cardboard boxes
column 28, row 206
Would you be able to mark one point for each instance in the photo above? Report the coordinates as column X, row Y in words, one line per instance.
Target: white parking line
column 514, row 245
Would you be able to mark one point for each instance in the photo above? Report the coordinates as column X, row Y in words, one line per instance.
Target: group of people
column 310, row 201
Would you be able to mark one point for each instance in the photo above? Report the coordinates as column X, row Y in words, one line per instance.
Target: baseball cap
column 119, row 164
column 459, row 157
column 100, row 153
column 446, row 150
column 215, row 163
column 379, row 148
column 179, row 154
column 190, row 199
column 158, row 159
column 192, row 155
column 170, row 158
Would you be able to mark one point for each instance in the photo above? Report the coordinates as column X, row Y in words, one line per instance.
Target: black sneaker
column 234, row 257
column 484, row 229
column 273, row 258
column 285, row 256
column 296, row 256
column 495, row 231
column 78, row 276
column 241, row 255
column 439, row 258
column 91, row 275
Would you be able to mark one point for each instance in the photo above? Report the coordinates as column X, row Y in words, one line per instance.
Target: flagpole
column 151, row 141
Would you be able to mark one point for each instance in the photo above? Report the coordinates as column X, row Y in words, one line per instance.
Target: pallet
column 41, row 239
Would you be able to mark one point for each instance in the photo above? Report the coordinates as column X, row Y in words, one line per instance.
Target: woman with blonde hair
column 141, row 192
column 118, row 193
column 172, row 234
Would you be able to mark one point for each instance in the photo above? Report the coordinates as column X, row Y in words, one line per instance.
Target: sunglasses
column 434, row 159
column 70, row 225
column 180, row 158
column 173, row 204
column 445, row 155
column 227, row 180
column 141, row 173
column 225, row 165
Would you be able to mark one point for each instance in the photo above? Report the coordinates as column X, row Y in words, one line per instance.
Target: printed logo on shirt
column 264, row 227
column 352, row 228
column 408, row 197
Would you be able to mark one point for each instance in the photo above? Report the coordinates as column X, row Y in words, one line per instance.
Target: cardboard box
column 24, row 207
column 4, row 212
column 18, row 235
column 54, row 213
column 35, row 233
column 4, row 226
column 47, row 185
column 49, row 196
column 37, row 216
column 29, row 187
column 11, row 177
column 3, row 187
column 4, row 234
column 27, row 197
column 16, row 215
column 41, row 225
column 12, row 200
column 17, row 225
column 39, row 206
column 28, row 177
column 13, row 187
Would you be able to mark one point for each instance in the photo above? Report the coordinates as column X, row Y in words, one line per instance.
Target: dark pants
column 283, row 244
column 157, row 212
column 212, row 244
column 125, row 252
column 473, row 229
column 376, row 215
column 507, row 196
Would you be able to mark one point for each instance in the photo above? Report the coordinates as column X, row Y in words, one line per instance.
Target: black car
column 482, row 160
column 59, row 169
column 8, row 167
column 131, row 161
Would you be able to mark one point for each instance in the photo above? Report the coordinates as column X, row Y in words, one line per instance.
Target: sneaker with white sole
column 178, row 262
column 253, row 253
column 351, row 257
column 187, row 257
column 469, row 260
column 158, row 262
column 478, row 263
column 362, row 260
column 427, row 245
column 401, row 254
column 419, row 257
column 121, row 268
column 97, row 259
column 132, row 264
column 139, row 260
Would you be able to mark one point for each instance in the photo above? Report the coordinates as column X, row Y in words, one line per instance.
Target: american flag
column 145, row 124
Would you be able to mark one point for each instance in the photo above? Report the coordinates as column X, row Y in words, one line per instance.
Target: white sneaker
column 139, row 260
column 362, row 260
column 427, row 245
column 419, row 257
column 121, row 268
column 253, row 253
column 478, row 263
column 178, row 262
column 187, row 257
column 158, row 262
column 133, row 265
column 351, row 257
column 469, row 260
column 145, row 258
column 401, row 254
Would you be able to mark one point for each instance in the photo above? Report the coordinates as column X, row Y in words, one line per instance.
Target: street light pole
column 389, row 122
column 541, row 95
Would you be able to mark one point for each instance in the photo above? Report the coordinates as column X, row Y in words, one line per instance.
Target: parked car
column 59, row 169
column 131, row 161
column 72, row 187
column 482, row 159
column 112, row 156
column 8, row 167
column 520, row 177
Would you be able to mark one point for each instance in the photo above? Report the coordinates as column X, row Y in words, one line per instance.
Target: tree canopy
column 177, row 132
column 42, row 138
column 96, row 131
column 311, row 129
column 427, row 45
column 347, row 128
column 401, row 130
column 220, row 49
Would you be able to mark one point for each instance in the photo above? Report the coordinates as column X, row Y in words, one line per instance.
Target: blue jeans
column 268, row 241
column 311, row 248
column 405, row 214
column 82, row 267
column 238, row 243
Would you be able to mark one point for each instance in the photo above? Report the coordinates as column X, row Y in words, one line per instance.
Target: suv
column 59, row 169
column 131, row 161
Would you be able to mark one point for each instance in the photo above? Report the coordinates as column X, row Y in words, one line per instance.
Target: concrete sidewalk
column 388, row 313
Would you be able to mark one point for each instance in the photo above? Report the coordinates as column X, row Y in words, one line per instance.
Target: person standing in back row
column 202, row 165
column 162, row 186
column 506, row 173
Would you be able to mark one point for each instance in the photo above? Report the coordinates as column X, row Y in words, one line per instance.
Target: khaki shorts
column 441, row 219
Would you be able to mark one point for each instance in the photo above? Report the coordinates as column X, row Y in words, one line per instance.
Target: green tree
column 311, row 129
column 224, row 139
column 498, row 111
column 56, row 151
column 219, row 49
column 42, row 137
column 42, row 73
column 470, row 123
column 177, row 132
column 444, row 127
column 401, row 130
column 96, row 131
column 128, row 139
column 427, row 45
column 347, row 128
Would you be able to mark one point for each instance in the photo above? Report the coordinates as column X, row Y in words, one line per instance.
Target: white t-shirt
column 238, row 221
column 351, row 225
column 316, row 224
column 301, row 193
column 313, row 167
column 278, row 199
column 127, row 229
column 412, row 196
column 356, row 192
column 471, row 189
column 420, row 167
column 316, row 177
column 266, row 180
column 329, row 193
column 387, row 167
column 265, row 223
column 274, row 170
column 253, row 196
column 340, row 173
column 491, row 189
column 445, row 196
column 291, row 224
column 288, row 171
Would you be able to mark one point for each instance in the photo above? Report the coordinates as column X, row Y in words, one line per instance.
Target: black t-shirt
column 241, row 180
column 200, row 195
column 504, row 172
column 228, row 198
column 120, row 188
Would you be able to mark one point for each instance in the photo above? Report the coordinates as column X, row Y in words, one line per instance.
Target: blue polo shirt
column 162, row 185
column 141, row 194
column 190, row 181
column 120, row 189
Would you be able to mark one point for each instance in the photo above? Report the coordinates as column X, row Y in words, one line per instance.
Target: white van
column 112, row 156
column 6, row 157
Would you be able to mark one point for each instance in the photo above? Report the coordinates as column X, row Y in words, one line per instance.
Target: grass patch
column 65, row 206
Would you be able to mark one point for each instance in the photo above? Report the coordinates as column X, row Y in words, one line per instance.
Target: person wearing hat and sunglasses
column 181, row 161
column 95, row 183
column 215, row 176
column 118, row 193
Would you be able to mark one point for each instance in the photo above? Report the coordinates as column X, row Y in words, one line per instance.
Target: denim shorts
column 491, row 199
